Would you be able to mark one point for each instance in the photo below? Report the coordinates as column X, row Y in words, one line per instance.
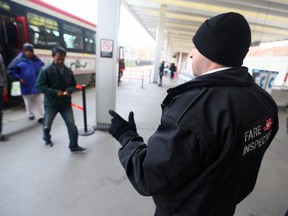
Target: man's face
column 59, row 59
column 199, row 62
column 28, row 54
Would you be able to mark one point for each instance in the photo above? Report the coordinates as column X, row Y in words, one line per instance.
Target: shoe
column 3, row 138
column 77, row 149
column 40, row 120
column 31, row 118
column 49, row 143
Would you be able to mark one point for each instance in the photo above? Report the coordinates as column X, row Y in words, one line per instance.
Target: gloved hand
column 120, row 128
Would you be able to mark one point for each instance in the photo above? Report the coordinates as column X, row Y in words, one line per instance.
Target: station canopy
column 268, row 19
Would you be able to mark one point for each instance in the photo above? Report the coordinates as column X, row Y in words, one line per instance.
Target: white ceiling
column 268, row 19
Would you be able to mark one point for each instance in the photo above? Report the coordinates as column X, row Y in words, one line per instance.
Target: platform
column 39, row 180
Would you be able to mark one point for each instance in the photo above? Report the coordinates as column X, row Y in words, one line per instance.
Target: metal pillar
column 106, row 64
column 159, row 42
column 179, row 65
column 168, row 48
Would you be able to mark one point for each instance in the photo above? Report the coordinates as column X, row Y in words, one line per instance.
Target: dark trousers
column 67, row 115
column 1, row 107
column 160, row 80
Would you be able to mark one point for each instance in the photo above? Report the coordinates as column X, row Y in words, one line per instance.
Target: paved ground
column 36, row 180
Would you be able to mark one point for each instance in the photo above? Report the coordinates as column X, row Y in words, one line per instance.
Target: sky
column 130, row 32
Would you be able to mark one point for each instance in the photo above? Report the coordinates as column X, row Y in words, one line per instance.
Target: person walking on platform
column 57, row 82
column 3, row 92
column 25, row 67
column 173, row 70
column 161, row 73
column 205, row 155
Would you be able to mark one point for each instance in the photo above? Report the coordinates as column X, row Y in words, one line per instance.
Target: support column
column 159, row 42
column 106, row 63
column 168, row 48
column 179, row 65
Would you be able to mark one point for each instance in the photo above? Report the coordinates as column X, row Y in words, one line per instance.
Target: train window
column 90, row 41
column 42, row 30
column 72, row 37
column 4, row 5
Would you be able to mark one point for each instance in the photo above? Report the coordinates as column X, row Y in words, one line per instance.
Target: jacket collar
column 34, row 57
column 237, row 76
column 215, row 70
column 56, row 68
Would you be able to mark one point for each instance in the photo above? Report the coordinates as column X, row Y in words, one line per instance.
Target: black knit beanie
column 28, row 47
column 224, row 39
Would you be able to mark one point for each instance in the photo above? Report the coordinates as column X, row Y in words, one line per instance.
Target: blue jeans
column 67, row 115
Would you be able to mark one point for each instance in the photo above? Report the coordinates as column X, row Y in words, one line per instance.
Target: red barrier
column 78, row 86
column 77, row 106
column 286, row 78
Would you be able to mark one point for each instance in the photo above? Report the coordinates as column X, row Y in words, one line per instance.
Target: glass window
column 42, row 30
column 4, row 5
column 90, row 38
column 72, row 37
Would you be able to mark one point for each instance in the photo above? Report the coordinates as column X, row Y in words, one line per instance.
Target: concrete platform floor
column 36, row 180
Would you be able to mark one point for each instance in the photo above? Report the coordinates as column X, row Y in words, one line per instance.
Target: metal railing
column 138, row 73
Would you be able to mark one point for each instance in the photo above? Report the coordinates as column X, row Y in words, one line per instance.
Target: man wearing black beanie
column 205, row 155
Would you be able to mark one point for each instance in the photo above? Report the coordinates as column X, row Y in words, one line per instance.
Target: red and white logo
column 269, row 124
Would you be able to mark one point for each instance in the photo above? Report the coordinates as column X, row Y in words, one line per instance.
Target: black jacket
column 51, row 80
column 205, row 156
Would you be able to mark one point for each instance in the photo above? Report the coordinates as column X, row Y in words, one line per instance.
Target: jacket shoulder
column 38, row 60
column 68, row 69
column 16, row 61
column 47, row 69
column 181, row 104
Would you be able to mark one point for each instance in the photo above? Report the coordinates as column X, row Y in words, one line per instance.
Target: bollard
column 85, row 131
column 84, row 107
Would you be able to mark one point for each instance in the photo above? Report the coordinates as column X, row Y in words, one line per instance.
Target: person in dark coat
column 205, row 155
column 57, row 82
column 161, row 73
column 25, row 68
column 173, row 70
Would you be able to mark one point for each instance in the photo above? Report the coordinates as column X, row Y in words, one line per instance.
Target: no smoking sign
column 106, row 50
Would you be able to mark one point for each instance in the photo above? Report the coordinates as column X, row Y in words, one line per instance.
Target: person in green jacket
column 57, row 82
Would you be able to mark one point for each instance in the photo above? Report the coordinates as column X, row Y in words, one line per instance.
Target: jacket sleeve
column 42, row 84
column 165, row 163
column 13, row 69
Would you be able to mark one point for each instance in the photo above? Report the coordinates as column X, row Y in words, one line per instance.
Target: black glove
column 120, row 128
